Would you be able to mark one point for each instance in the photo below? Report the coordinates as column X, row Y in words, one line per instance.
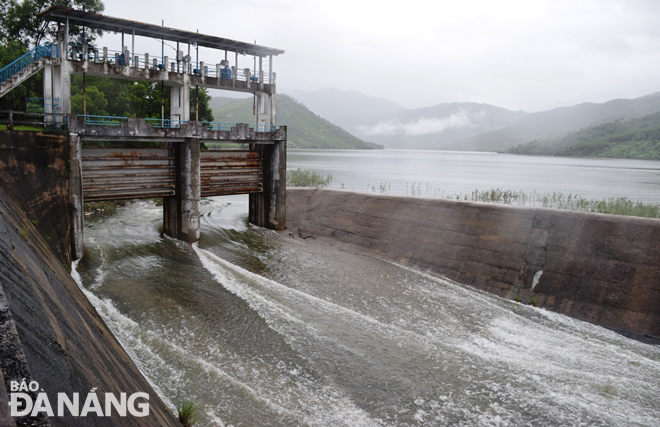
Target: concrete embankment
column 603, row 269
column 49, row 332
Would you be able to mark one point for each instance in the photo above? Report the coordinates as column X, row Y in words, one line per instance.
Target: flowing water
column 267, row 329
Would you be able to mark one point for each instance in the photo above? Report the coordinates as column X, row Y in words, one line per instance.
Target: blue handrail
column 38, row 105
column 165, row 123
column 263, row 128
column 95, row 120
column 45, row 51
column 219, row 125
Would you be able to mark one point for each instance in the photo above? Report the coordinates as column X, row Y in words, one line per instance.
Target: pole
column 66, row 36
column 162, row 49
column 84, row 94
column 196, row 103
column 162, row 103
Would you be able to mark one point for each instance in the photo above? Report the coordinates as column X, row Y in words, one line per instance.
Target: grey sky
column 518, row 54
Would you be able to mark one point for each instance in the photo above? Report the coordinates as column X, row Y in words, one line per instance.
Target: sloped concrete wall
column 604, row 269
column 49, row 332
column 34, row 169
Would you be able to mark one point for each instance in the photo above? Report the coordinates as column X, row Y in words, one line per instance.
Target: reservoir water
column 269, row 329
column 443, row 173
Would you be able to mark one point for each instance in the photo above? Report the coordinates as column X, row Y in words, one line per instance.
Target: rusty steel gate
column 231, row 172
column 113, row 173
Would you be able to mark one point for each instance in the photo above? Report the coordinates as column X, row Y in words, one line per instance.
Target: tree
column 21, row 29
column 20, row 21
column 96, row 102
column 205, row 113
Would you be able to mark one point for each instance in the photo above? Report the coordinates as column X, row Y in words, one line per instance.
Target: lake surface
column 443, row 173
column 268, row 329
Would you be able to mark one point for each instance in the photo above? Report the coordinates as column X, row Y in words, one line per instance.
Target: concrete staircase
column 26, row 66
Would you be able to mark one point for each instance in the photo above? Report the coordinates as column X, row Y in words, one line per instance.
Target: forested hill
column 630, row 139
column 305, row 129
column 557, row 123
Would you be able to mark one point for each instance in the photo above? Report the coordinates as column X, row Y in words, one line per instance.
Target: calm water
column 268, row 329
column 442, row 173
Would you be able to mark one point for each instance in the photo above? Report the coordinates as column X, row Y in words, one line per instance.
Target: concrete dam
column 603, row 269
column 331, row 319
column 256, row 332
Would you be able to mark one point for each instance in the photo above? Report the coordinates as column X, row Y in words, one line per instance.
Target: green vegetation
column 306, row 129
column 532, row 301
column 125, row 98
column 21, row 30
column 555, row 200
column 632, row 139
column 188, row 413
column 612, row 205
column 25, row 230
column 556, row 123
column 307, row 178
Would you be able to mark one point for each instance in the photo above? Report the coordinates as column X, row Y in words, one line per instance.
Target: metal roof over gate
column 108, row 23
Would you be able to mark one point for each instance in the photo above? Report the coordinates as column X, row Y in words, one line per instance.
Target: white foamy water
column 326, row 338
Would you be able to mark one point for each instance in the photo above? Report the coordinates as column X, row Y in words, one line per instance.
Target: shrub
column 307, row 178
column 188, row 413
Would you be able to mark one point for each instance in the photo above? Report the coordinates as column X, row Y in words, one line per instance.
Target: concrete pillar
column 62, row 85
column 76, row 207
column 272, row 109
column 181, row 211
column 180, row 101
column 263, row 109
column 48, row 92
column 268, row 208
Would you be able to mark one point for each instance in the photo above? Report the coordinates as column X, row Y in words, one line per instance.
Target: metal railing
column 32, row 121
column 114, row 121
column 263, row 128
column 40, row 105
column 218, row 126
column 95, row 120
column 148, row 61
column 43, row 51
column 165, row 123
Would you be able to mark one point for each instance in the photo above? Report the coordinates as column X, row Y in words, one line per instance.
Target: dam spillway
column 300, row 331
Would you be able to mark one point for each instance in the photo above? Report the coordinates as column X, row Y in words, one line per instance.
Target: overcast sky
column 518, row 54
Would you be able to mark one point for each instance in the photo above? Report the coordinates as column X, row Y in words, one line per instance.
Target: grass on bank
column 558, row 200
column 307, row 178
column 188, row 413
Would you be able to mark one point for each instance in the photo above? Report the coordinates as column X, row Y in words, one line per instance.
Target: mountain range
column 350, row 120
column 463, row 125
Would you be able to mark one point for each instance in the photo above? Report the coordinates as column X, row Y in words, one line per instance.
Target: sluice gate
column 115, row 173
column 135, row 160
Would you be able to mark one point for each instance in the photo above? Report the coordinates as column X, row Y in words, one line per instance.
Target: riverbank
column 593, row 267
